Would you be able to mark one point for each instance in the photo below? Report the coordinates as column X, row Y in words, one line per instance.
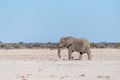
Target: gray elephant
column 80, row 45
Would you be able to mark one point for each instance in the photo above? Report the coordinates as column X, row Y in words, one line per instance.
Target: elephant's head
column 64, row 42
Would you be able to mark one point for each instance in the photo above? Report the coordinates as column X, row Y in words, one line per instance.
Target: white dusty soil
column 43, row 64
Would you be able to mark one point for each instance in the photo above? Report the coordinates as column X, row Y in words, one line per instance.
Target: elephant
column 80, row 45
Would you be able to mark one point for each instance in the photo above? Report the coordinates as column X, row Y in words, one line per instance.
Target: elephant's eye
column 63, row 41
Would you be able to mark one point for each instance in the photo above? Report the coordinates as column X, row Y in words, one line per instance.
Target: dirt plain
column 44, row 64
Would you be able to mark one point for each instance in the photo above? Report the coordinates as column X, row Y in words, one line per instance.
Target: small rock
column 82, row 75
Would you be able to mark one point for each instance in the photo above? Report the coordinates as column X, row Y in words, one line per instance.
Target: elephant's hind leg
column 69, row 54
column 89, row 54
column 80, row 55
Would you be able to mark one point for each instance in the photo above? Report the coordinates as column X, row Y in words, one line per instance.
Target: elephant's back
column 84, row 41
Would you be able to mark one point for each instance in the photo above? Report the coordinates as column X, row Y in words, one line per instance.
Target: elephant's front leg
column 69, row 54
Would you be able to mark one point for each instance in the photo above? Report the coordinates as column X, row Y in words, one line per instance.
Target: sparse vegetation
column 49, row 45
column 23, row 45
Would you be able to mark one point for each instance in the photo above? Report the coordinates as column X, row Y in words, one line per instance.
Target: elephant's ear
column 69, row 42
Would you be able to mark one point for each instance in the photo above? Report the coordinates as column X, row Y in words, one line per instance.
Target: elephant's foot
column 89, row 58
column 72, row 57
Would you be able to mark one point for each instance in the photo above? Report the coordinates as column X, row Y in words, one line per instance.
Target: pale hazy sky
column 49, row 20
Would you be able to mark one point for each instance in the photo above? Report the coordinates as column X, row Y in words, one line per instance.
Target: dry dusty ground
column 43, row 64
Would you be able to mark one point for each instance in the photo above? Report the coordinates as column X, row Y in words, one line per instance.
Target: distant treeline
column 49, row 45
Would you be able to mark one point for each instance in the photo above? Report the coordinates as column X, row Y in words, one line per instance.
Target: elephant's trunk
column 59, row 50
